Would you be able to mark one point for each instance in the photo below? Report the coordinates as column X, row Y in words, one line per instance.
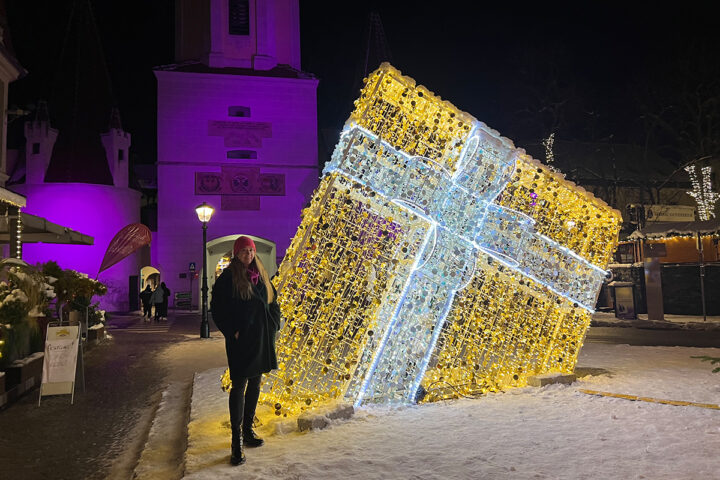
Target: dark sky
column 500, row 61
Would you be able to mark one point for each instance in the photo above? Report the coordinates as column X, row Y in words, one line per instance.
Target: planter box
column 95, row 335
column 23, row 375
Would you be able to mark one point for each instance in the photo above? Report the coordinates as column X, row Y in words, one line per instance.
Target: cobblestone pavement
column 123, row 381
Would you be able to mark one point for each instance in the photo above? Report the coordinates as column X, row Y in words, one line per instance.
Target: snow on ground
column 554, row 432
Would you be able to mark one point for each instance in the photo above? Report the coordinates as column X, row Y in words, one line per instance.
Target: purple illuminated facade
column 237, row 128
column 99, row 210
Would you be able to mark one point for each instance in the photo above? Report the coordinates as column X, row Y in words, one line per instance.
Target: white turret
column 117, row 145
column 39, row 143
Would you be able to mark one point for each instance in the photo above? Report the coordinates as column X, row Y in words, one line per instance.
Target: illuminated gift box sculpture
column 435, row 260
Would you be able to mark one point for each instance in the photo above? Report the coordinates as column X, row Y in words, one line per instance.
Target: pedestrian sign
column 192, row 266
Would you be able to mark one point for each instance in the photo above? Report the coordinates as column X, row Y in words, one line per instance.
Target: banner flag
column 125, row 242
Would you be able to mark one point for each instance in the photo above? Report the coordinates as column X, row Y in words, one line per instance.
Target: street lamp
column 204, row 213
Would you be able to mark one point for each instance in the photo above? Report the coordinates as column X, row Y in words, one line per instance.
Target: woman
column 245, row 310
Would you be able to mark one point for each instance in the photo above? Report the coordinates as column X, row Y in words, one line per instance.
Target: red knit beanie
column 243, row 242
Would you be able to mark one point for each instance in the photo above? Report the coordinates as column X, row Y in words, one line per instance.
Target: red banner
column 125, row 242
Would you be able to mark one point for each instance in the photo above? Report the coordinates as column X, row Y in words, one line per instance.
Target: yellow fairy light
column 436, row 259
column 18, row 243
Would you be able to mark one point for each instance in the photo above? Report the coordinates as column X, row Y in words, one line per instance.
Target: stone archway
column 149, row 275
column 219, row 251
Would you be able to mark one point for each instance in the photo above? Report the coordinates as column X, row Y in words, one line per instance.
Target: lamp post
column 204, row 213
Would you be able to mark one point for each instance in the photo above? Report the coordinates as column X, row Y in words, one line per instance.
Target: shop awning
column 37, row 229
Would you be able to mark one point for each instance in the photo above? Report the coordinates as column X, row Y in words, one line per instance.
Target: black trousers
column 244, row 396
column 147, row 308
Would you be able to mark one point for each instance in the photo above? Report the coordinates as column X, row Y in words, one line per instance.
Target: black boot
column 237, row 456
column 250, row 439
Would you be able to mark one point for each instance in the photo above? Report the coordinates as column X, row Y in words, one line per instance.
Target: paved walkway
column 103, row 433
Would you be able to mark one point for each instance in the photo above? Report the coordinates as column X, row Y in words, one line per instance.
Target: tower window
column 36, row 148
column 242, row 154
column 121, row 154
column 237, row 111
column 238, row 17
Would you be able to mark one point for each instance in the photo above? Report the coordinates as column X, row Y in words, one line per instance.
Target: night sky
column 581, row 69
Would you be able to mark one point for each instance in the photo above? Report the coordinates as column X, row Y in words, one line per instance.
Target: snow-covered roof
column 670, row 229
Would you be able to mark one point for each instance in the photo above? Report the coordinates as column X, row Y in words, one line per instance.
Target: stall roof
column 12, row 198
column 670, row 229
column 37, row 229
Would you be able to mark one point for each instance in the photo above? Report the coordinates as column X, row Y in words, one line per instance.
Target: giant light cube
column 436, row 260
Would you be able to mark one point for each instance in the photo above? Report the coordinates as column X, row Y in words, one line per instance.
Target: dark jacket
column 253, row 352
column 145, row 297
column 165, row 299
column 157, row 296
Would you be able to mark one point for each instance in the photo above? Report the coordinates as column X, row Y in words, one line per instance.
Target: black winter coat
column 145, row 297
column 253, row 352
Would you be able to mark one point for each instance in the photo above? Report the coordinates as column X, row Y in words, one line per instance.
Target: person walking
column 145, row 300
column 165, row 300
column 157, row 300
column 245, row 309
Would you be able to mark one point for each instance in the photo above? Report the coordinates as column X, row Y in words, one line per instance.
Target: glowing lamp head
column 204, row 212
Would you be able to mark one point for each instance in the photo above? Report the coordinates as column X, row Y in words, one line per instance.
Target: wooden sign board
column 62, row 345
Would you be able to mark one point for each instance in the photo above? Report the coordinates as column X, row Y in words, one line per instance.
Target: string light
column 548, row 144
column 18, row 244
column 435, row 260
column 684, row 236
column 702, row 191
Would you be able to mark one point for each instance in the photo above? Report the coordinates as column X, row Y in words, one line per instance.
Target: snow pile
column 554, row 432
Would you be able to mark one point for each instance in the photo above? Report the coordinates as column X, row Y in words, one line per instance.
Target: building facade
column 100, row 208
column 237, row 129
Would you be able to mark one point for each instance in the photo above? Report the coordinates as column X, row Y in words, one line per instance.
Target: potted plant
column 75, row 291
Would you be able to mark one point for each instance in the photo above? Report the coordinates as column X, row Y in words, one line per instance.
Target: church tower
column 255, row 34
column 76, row 162
column 237, row 128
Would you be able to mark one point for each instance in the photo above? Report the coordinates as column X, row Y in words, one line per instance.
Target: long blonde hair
column 241, row 282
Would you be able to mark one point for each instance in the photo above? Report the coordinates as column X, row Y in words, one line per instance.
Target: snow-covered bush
column 25, row 294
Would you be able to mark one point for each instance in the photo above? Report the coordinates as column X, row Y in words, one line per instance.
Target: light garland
column 18, row 244
column 435, row 260
column 548, row 144
column 702, row 191
column 684, row 237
